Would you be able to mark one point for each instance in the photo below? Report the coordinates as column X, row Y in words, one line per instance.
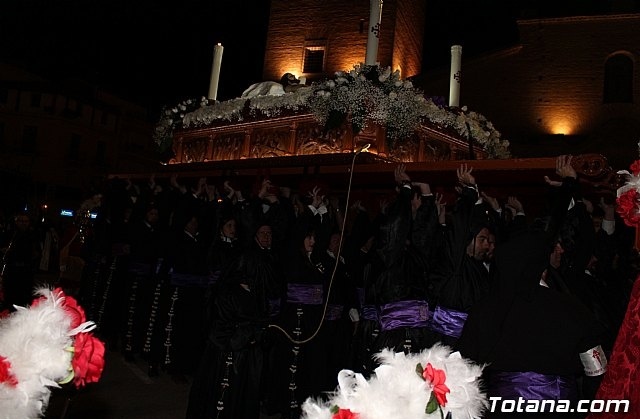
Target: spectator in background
column 21, row 257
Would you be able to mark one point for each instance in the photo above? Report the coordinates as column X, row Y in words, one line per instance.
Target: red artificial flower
column 70, row 306
column 627, row 207
column 437, row 379
column 345, row 414
column 635, row 167
column 74, row 311
column 88, row 359
column 6, row 376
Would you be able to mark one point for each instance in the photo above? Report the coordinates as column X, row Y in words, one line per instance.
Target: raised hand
column 493, row 202
column 425, row 188
column 464, row 175
column 384, row 205
column 401, row 175
column 563, row 169
column 316, row 198
column 515, row 204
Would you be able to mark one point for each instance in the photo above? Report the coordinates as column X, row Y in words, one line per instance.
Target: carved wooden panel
column 311, row 139
column 407, row 152
column 195, row 150
column 269, row 142
column 227, row 146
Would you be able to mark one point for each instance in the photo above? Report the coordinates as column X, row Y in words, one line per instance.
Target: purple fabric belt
column 409, row 313
column 532, row 386
column 334, row 312
column 360, row 293
column 274, row 306
column 189, row 280
column 310, row 294
column 369, row 312
column 447, row 321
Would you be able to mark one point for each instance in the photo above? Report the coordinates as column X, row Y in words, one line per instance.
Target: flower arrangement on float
column 434, row 383
column 44, row 346
column 628, row 195
column 365, row 94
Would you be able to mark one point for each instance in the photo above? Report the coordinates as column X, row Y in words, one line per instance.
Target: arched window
column 618, row 79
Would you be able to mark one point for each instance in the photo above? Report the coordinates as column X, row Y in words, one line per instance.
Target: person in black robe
column 364, row 266
column 341, row 313
column 300, row 346
column 532, row 338
column 458, row 276
column 229, row 379
column 183, row 308
column 147, row 269
column 404, row 248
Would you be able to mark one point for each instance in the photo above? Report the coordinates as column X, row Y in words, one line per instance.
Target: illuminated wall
column 342, row 27
column 553, row 83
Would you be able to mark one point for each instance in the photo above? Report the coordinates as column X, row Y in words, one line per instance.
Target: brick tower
column 315, row 39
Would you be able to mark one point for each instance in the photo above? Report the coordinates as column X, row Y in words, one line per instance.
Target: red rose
column 88, row 359
column 437, row 379
column 6, row 376
column 345, row 414
column 627, row 207
column 74, row 311
column 635, row 167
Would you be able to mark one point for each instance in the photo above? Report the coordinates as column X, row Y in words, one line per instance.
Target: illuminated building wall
column 554, row 83
column 341, row 28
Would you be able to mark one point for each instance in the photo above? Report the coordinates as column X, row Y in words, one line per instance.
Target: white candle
column 454, row 81
column 375, row 16
column 215, row 71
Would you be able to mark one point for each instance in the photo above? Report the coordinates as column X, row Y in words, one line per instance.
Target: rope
column 335, row 265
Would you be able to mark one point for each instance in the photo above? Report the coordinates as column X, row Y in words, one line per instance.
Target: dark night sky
column 160, row 52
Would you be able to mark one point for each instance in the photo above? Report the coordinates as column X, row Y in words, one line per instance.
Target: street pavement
column 125, row 391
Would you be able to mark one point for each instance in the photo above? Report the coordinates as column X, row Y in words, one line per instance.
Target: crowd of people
column 260, row 297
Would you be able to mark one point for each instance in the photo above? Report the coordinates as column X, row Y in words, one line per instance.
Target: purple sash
column 310, row 294
column 409, row 313
column 447, row 321
column 334, row 312
column 369, row 312
column 532, row 386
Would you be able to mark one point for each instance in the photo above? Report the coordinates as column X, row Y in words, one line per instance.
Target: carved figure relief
column 194, row 150
column 227, row 147
column 269, row 143
column 310, row 139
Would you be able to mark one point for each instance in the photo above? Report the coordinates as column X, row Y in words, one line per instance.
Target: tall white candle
column 215, row 71
column 375, row 17
column 454, row 81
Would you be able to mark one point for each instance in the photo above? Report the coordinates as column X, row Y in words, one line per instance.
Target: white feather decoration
column 37, row 343
column 396, row 391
